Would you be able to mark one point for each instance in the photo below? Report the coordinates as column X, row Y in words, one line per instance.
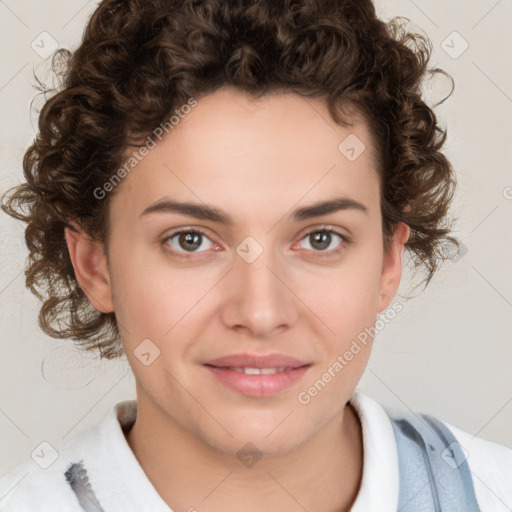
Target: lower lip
column 258, row 385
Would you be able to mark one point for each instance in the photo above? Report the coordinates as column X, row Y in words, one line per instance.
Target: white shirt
column 119, row 483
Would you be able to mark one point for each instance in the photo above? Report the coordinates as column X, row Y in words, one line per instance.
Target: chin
column 269, row 441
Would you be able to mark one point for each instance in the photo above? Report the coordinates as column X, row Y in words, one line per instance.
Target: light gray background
column 448, row 353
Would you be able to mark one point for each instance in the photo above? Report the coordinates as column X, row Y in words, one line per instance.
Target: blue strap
column 434, row 473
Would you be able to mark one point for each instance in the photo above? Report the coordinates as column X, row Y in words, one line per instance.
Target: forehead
column 285, row 126
column 279, row 150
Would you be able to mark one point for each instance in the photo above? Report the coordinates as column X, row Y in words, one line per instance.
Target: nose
column 259, row 296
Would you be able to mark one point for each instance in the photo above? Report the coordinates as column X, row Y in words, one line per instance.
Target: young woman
column 223, row 192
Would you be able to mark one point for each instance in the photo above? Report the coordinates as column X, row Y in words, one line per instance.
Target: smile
column 259, row 371
column 258, row 382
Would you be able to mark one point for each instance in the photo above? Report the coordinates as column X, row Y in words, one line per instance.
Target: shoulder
column 491, row 469
column 29, row 484
column 58, row 478
column 490, row 463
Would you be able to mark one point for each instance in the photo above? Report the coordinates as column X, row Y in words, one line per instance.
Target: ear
column 90, row 265
column 392, row 266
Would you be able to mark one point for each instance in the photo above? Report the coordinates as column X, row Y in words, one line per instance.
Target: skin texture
column 257, row 160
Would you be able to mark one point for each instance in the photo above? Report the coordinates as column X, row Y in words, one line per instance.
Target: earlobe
column 392, row 266
column 90, row 265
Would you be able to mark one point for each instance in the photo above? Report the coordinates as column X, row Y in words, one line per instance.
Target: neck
column 322, row 474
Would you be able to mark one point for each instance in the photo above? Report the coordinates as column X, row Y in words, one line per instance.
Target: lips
column 257, row 361
column 257, row 375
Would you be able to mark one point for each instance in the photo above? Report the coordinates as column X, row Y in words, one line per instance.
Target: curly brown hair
column 141, row 59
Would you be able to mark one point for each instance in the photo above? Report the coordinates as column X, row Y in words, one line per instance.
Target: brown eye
column 187, row 241
column 321, row 240
column 190, row 241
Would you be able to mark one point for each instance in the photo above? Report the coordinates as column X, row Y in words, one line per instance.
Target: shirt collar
column 379, row 483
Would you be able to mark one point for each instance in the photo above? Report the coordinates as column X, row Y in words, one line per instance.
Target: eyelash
column 321, row 254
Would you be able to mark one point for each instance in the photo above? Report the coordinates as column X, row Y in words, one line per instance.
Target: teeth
column 259, row 371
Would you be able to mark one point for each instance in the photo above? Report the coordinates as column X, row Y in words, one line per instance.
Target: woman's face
column 264, row 278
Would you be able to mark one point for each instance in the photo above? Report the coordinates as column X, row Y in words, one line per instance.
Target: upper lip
column 257, row 361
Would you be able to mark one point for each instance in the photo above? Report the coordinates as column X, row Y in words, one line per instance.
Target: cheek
column 347, row 297
column 151, row 298
column 138, row 292
column 347, row 305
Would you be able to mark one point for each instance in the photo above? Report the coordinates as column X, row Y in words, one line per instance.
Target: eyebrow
column 205, row 212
